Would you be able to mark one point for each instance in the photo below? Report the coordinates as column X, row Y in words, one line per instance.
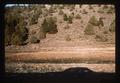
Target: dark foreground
column 77, row 74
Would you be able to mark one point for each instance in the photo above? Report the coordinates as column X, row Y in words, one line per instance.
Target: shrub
column 15, row 30
column 70, row 19
column 8, row 33
column 100, row 22
column 16, row 39
column 101, row 38
column 65, row 17
column 41, row 35
column 68, row 38
column 11, row 19
column 110, row 10
column 112, row 26
column 20, row 35
column 22, row 30
column 33, row 39
column 78, row 16
column 72, row 14
column 49, row 26
column 34, row 19
column 93, row 21
column 89, row 30
column 61, row 12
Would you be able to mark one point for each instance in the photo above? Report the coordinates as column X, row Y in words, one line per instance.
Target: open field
column 97, row 59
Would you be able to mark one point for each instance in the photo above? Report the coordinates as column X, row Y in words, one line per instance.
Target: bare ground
column 96, row 59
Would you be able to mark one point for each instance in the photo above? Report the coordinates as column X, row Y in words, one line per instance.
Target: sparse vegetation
column 89, row 30
column 78, row 30
column 101, row 38
column 61, row 12
column 70, row 18
column 94, row 21
column 15, row 30
column 33, row 39
column 112, row 26
column 100, row 22
column 65, row 17
column 34, row 18
column 41, row 35
column 110, row 10
column 19, row 21
column 49, row 25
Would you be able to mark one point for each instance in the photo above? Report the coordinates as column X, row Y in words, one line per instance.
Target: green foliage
column 15, row 30
column 20, row 35
column 41, row 35
column 89, row 30
column 100, row 22
column 8, row 34
column 70, row 19
column 49, row 25
column 11, row 19
column 33, row 39
column 16, row 39
column 65, row 17
column 112, row 26
column 34, row 18
column 93, row 21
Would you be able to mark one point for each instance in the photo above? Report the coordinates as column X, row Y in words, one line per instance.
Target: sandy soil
column 96, row 59
column 70, row 55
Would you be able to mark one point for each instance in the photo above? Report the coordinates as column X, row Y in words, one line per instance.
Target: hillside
column 89, row 26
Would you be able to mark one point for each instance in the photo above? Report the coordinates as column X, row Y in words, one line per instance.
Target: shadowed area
column 79, row 74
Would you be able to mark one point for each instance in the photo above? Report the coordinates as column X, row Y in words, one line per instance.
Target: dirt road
column 98, row 59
